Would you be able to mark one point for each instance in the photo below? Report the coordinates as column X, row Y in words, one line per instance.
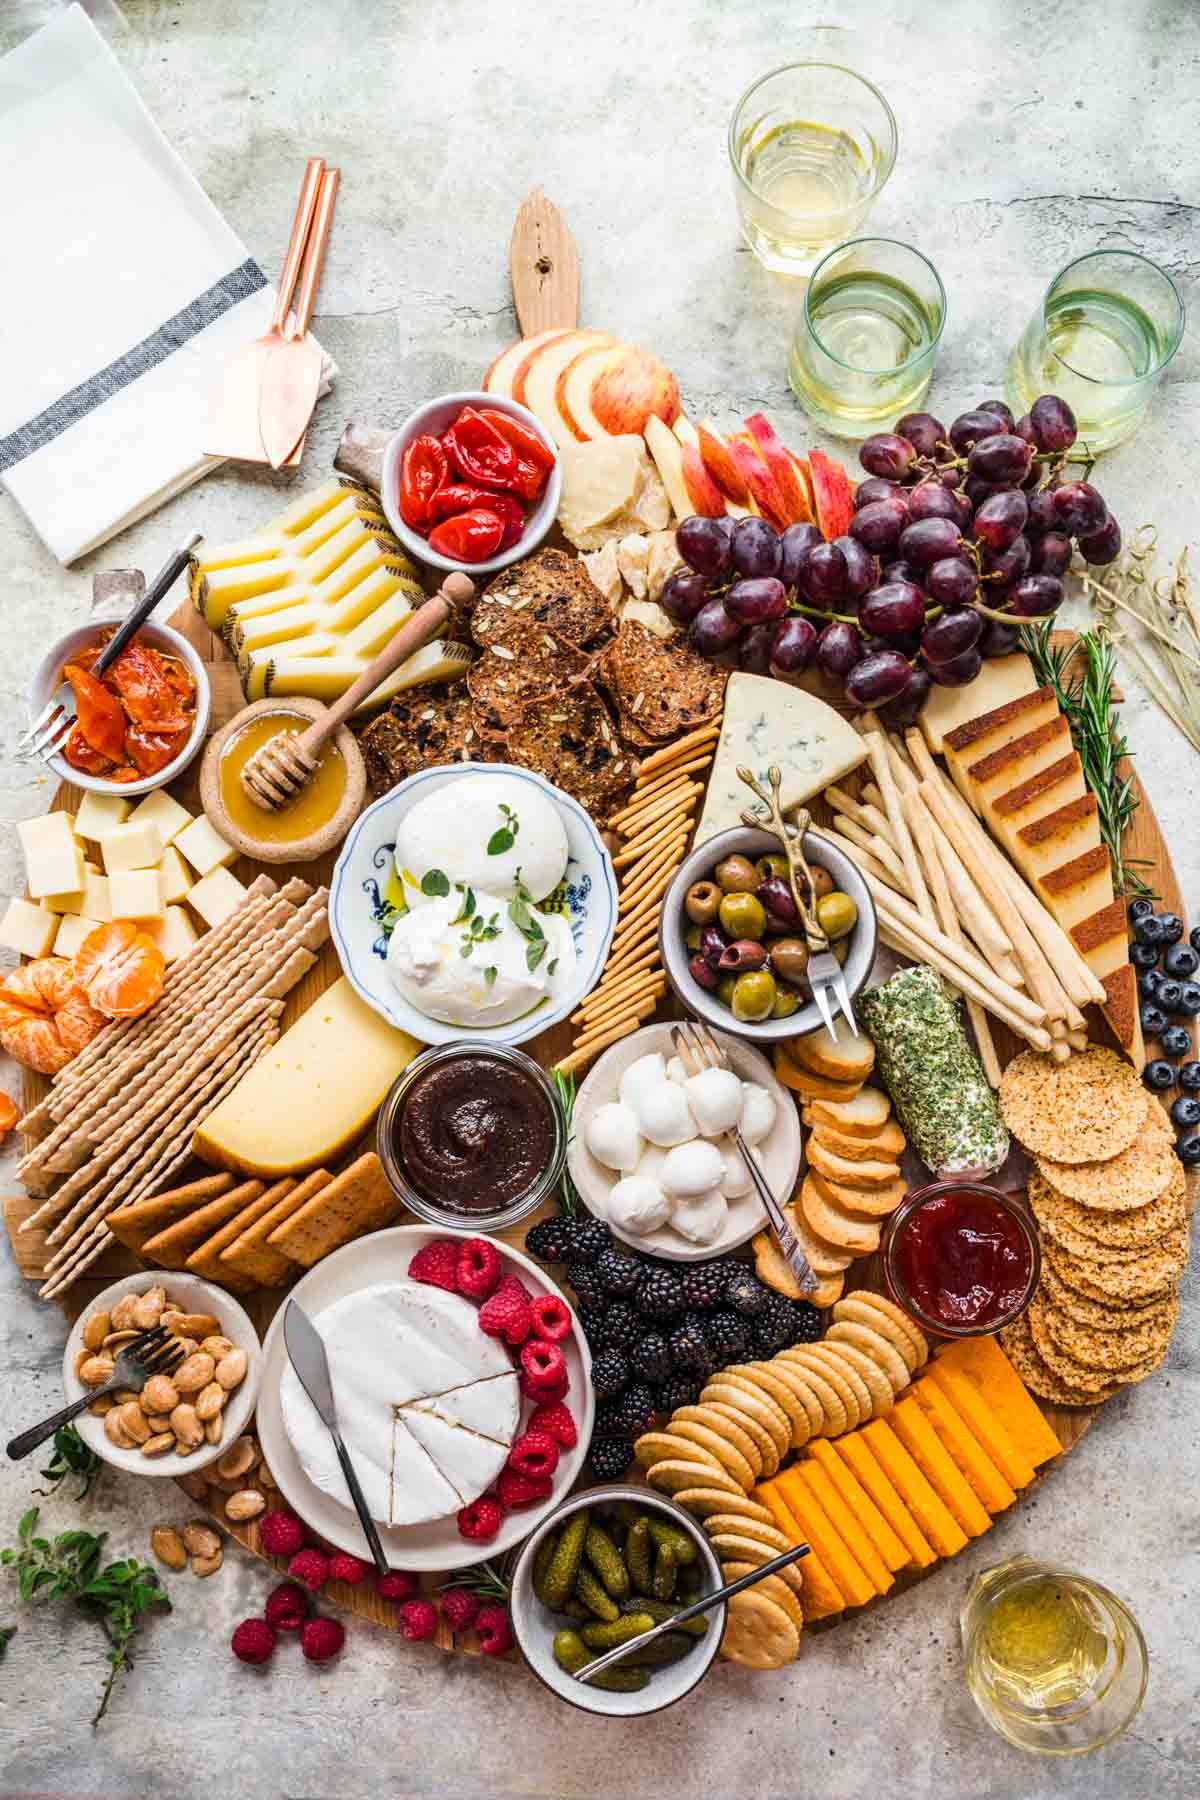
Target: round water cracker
column 827, row 1291
column 761, row 1438
column 724, row 1426
column 1144, row 1278
column 771, row 1586
column 835, row 1374
column 1121, row 1183
column 770, row 1535
column 762, row 1375
column 1107, row 1315
column 1132, row 1229
column 1113, row 1351
column 1019, row 1347
column 1075, row 1374
column 876, row 1346
column 758, row 1633
column 751, row 1550
column 814, row 1412
column 833, row 1407
column 860, row 1309
column 656, row 1446
column 1084, row 1110
column 745, row 1396
column 672, row 1474
column 879, row 1388
column 726, row 1452
column 703, row 1502
column 831, row 1355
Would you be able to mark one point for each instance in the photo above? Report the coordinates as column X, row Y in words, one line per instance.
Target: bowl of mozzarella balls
column 652, row 1151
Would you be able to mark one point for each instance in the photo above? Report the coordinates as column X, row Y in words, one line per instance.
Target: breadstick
column 643, row 956
column 631, row 955
column 909, row 943
column 642, row 998
column 664, row 778
column 927, row 844
column 878, row 752
column 969, row 905
column 703, row 734
column 672, row 799
column 676, row 825
column 629, row 1018
column 603, row 996
column 863, row 858
column 871, row 818
column 879, row 848
column 667, row 857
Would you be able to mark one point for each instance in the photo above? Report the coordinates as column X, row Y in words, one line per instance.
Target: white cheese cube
column 53, row 857
column 30, row 930
column 159, row 809
column 71, row 932
column 64, row 903
column 204, row 848
column 131, row 847
column 136, row 894
column 216, row 896
column 47, row 831
column 96, row 901
column 98, row 814
column 176, row 876
column 174, row 933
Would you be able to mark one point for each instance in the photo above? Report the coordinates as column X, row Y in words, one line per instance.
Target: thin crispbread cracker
column 171, row 1248
column 1141, row 1278
column 251, row 1255
column 1084, row 1110
column 206, row 1259
column 1130, row 1229
column 1105, row 1315
column 1131, row 1179
column 1018, row 1345
column 1137, row 1339
column 1067, row 1368
column 359, row 1200
column 135, row 1223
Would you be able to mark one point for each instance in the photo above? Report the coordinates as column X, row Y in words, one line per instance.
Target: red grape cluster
column 958, row 538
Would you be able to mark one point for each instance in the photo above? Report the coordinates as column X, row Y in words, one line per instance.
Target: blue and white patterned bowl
column 357, row 909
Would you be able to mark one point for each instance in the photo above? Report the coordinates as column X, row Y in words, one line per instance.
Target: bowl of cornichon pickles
column 607, row 1566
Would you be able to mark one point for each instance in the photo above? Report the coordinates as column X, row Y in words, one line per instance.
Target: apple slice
column 832, row 495
column 628, row 391
column 501, row 376
column 805, row 478
column 759, row 479
column 667, row 451
column 573, row 391
column 580, row 340
column 777, row 457
column 706, row 497
column 685, row 431
column 538, row 378
column 718, row 461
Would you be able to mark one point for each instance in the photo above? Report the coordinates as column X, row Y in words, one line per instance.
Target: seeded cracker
column 551, row 587
column 1128, row 1180
column 660, row 689
column 1129, row 1230
column 1099, row 1315
column 1113, row 1352
column 1084, row 1110
column 531, row 665
column 420, row 733
column 1038, row 1377
column 571, row 740
column 1147, row 1278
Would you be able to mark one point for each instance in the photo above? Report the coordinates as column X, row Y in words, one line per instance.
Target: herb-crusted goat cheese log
column 941, row 1095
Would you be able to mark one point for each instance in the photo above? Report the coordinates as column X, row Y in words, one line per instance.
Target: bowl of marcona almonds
column 183, row 1421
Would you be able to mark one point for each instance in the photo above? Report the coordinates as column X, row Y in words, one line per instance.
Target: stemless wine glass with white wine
column 811, row 146
column 1105, row 331
column 864, row 349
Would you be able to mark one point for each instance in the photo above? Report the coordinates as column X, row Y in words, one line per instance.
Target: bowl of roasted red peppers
column 471, row 481
column 139, row 724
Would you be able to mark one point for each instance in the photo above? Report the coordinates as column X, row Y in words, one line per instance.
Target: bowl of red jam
column 961, row 1257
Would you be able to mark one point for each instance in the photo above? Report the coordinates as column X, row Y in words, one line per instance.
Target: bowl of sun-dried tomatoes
column 139, row 724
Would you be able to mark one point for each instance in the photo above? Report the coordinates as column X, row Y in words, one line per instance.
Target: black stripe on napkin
column 201, row 312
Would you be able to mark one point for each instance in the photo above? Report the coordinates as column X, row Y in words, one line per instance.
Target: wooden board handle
column 545, row 267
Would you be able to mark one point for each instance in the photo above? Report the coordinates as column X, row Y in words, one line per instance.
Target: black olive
column 1176, row 1040
column 1158, row 1075
column 1154, row 1020
column 1181, row 960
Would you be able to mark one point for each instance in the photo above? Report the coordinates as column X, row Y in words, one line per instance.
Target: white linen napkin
column 123, row 295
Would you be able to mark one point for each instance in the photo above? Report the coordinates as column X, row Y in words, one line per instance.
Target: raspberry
column 436, row 1264
column 418, row 1620
column 506, row 1314
column 495, row 1631
column 480, row 1521
column 535, row 1453
column 253, row 1641
column 558, row 1422
column 311, row 1568
column 460, row 1608
column 282, row 1534
column 543, row 1370
column 396, row 1585
column 287, row 1606
column 321, row 1639
column 350, row 1569
column 478, row 1268
column 516, row 1489
column 550, row 1318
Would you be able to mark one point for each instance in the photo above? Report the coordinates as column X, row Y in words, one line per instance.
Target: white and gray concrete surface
column 1028, row 135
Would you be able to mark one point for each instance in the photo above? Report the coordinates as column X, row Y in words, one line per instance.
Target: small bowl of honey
column 316, row 820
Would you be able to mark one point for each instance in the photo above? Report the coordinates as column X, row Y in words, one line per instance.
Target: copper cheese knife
column 306, row 1349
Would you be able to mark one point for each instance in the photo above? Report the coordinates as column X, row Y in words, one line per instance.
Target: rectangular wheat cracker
column 358, row 1200
column 171, row 1248
column 250, row 1253
column 205, row 1260
column 134, row 1224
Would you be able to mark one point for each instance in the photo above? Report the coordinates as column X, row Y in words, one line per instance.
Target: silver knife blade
column 306, row 1349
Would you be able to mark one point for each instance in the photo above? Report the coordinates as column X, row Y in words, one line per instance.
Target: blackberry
column 704, row 1284
column 688, row 1346
column 728, row 1336
column 608, row 1458
column 619, row 1327
column 634, row 1411
column 807, row 1322
column 610, row 1373
column 660, row 1294
column 698, row 1322
column 591, row 1319
column 618, row 1275
column 681, row 1390
column 746, row 1294
column 588, row 1291
column 775, row 1326
column 551, row 1240
column 650, row 1359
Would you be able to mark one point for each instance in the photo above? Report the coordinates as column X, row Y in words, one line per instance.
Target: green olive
column 837, row 916
column 754, row 996
column 703, row 899
column 772, row 865
column 822, row 881
column 841, row 949
column 725, row 989
column 786, row 1002
column 789, row 959
column 742, row 916
column 691, row 937
column 736, row 875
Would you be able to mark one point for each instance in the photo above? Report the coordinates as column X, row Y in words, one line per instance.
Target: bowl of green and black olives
column 733, row 941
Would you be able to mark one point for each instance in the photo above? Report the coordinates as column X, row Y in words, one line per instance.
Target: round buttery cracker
column 657, row 1446
column 747, row 1397
column 1137, row 1339
column 725, row 1451
column 761, row 1438
column 702, row 1502
column 768, row 1585
column 1041, row 1380
column 762, row 1376
column 1121, row 1183
column 770, row 1535
column 1084, row 1110
column 750, row 1550
column 863, row 1308
column 814, row 1412
column 725, row 1427
column 674, row 1473
column 875, row 1345
column 874, row 1380
column 845, row 1376
column 1125, row 1230
column 833, row 1410
column 758, row 1633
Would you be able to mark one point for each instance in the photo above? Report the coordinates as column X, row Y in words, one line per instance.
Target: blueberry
column 1189, row 999
column 1149, row 982
column 1176, row 1040
column 1185, row 1112
column 1143, row 956
column 1181, row 960
column 1154, row 1020
column 1140, row 909
column 1194, row 938
column 1187, row 1149
column 1168, row 991
column 1159, row 1075
column 1150, row 930
column 1172, row 927
column 1189, row 1077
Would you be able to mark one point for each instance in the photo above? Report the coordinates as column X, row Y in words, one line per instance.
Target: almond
column 194, row 1372
column 96, row 1330
column 168, row 1546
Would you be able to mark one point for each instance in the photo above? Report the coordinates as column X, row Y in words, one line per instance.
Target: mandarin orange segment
column 120, row 970
column 35, row 1042
column 8, row 1115
column 45, row 1018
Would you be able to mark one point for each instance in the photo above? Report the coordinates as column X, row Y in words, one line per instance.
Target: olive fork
column 155, row 1352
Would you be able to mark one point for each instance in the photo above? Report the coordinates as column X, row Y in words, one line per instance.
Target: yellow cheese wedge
column 855, row 1587
column 1057, row 837
column 856, row 1540
column 977, row 1415
column 921, row 1441
column 1015, row 763
column 328, row 677
column 822, row 1597
column 857, row 1455
column 988, row 733
column 1001, row 680
column 935, row 1519
column 985, row 1478
column 1078, row 888
column 983, row 1363
column 309, row 1097
column 860, row 1503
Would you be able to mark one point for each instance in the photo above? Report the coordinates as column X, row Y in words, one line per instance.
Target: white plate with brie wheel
column 368, row 1262
column 369, row 901
column 778, row 1153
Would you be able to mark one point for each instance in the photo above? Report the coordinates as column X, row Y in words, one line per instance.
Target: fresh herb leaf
column 71, row 1457
column 564, row 1085
column 489, row 974
column 466, row 947
column 467, row 909
column 552, row 965
column 434, row 884
column 533, row 954
column 519, row 913
column 500, row 841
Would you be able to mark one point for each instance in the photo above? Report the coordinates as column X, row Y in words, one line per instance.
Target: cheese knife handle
column 360, row 1505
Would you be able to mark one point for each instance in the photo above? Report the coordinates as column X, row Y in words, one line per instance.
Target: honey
column 313, row 807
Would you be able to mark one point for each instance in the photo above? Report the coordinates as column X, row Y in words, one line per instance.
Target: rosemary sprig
column 568, row 1199
column 1085, row 698
column 483, row 1580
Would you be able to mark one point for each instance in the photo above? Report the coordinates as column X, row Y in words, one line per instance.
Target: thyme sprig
column 71, row 1457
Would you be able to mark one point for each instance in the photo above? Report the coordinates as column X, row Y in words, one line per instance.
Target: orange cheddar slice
column 989, row 1371
column 921, row 1441
column 985, row 1478
column 855, row 1587
column 855, row 1496
column 975, row 1412
column 930, row 1511
column 857, row 1541
column 853, row 1450
column 821, row 1598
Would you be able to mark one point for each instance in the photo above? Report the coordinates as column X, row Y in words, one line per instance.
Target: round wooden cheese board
column 1144, row 843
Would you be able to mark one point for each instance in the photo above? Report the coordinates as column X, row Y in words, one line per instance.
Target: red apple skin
column 703, row 491
column 777, row 457
column 575, row 426
column 719, row 462
column 536, row 346
column 759, row 480
column 632, row 387
column 832, row 493
column 530, row 346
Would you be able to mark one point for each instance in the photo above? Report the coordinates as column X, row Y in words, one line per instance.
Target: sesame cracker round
column 1086, row 1109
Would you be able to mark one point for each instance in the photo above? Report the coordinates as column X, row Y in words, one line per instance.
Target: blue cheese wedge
column 766, row 722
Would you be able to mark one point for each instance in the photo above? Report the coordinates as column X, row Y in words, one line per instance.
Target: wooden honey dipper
column 276, row 773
